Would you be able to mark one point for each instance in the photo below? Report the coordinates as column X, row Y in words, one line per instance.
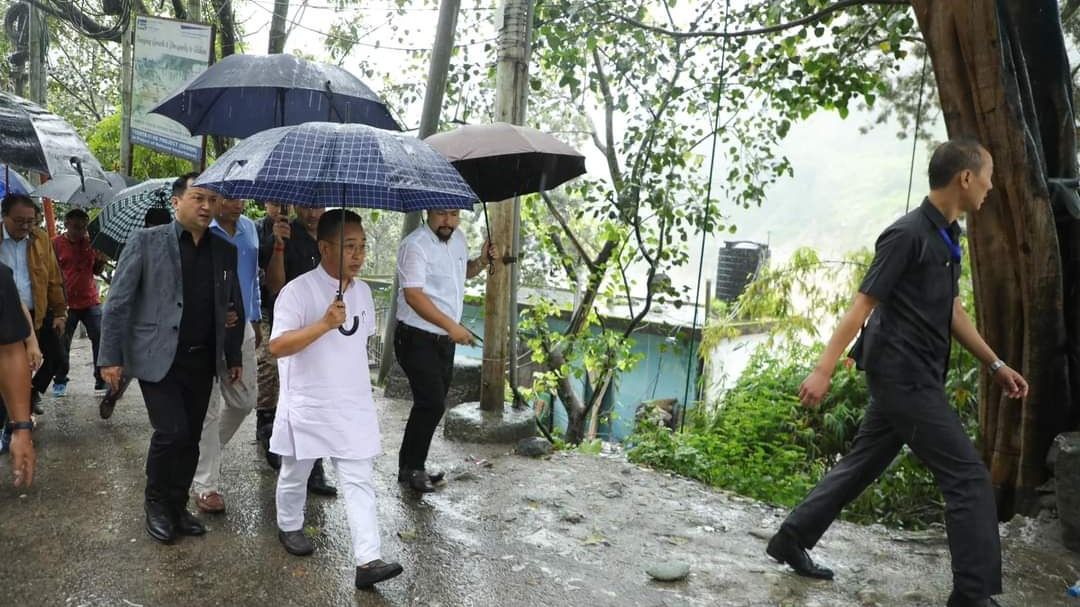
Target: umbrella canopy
column 10, row 181
column 503, row 160
column 38, row 140
column 321, row 164
column 83, row 193
column 126, row 212
column 244, row 94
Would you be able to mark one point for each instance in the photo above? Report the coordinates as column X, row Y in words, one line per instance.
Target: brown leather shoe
column 210, row 502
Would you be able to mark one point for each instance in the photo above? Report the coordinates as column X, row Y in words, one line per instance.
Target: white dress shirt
column 325, row 407
column 439, row 268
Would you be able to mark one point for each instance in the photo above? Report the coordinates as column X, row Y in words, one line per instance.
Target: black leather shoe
column 419, row 481
column 295, row 542
column 159, row 522
column 316, row 482
column 434, row 477
column 187, row 524
column 262, row 434
column 785, row 548
column 369, row 574
column 107, row 404
column 956, row 600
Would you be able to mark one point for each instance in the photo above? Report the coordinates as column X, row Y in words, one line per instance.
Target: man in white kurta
column 325, row 405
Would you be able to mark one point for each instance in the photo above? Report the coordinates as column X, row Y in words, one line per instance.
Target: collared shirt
column 439, row 268
column 246, row 241
column 14, row 254
column 325, row 404
column 77, row 261
column 197, row 271
column 915, row 280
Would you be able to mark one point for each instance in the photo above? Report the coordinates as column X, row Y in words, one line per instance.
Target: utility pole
column 126, row 72
column 429, row 123
column 511, row 92
column 39, row 43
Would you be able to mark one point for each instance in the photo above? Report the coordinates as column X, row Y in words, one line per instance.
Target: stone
column 668, row 571
column 534, row 446
column 467, row 422
column 465, row 386
column 1067, row 477
column 573, row 517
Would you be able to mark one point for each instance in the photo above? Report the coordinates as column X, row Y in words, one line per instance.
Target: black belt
column 193, row 349
column 411, row 330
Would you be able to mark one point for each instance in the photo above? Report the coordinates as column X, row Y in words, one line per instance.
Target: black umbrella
column 500, row 160
column 244, row 94
column 35, row 139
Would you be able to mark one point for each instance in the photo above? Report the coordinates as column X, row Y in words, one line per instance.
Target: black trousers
column 919, row 416
column 91, row 319
column 428, row 362
column 51, row 353
column 177, row 407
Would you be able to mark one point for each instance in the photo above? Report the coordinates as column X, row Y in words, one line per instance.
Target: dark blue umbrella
column 10, row 181
column 321, row 164
column 244, row 94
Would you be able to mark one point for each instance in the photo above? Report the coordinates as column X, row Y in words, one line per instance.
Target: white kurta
column 439, row 268
column 325, row 406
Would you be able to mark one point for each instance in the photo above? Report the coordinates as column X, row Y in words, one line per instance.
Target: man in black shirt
column 912, row 291
column 166, row 322
column 294, row 250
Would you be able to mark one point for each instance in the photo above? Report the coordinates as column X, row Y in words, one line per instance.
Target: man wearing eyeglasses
column 26, row 249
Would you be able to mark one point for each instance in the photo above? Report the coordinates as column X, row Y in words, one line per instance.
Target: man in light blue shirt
column 13, row 253
column 237, row 399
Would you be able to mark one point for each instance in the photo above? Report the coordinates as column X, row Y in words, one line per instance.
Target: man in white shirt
column 325, row 405
column 432, row 267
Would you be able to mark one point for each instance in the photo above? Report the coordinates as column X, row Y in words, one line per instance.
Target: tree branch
column 1069, row 10
column 609, row 123
column 569, row 233
column 809, row 19
column 66, row 11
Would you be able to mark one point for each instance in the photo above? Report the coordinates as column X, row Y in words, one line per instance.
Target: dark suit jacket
column 140, row 327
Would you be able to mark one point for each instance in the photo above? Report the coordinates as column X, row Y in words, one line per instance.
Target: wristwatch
column 995, row 366
column 28, row 425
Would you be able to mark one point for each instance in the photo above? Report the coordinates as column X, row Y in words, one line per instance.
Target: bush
column 760, row 442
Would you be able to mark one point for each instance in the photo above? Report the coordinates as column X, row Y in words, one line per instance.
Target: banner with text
column 167, row 54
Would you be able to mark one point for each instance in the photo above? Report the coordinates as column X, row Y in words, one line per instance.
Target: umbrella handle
column 353, row 329
column 77, row 164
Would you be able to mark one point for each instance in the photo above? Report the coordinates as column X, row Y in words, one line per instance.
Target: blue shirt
column 13, row 253
column 246, row 241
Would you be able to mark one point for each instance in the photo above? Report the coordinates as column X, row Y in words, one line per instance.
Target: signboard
column 167, row 54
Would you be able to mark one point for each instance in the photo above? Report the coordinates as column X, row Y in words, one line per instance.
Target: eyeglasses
column 23, row 221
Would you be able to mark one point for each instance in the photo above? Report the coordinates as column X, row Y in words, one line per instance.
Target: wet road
column 572, row 530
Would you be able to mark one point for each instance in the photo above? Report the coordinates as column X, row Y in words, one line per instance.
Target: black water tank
column 739, row 262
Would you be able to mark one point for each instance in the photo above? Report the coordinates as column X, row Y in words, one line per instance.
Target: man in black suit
column 167, row 324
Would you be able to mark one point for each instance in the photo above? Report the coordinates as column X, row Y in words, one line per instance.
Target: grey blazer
column 140, row 327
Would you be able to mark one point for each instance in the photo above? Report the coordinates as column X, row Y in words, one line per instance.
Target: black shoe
column 785, row 548
column 35, row 403
column 956, row 600
column 295, row 542
column 434, row 477
column 107, row 404
column 159, row 522
column 316, row 482
column 187, row 524
column 419, row 481
column 262, row 434
column 376, row 571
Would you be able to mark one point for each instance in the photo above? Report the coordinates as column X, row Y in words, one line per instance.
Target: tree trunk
column 278, row 35
column 1002, row 77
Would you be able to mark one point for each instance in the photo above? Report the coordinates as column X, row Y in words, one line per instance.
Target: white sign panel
column 167, row 54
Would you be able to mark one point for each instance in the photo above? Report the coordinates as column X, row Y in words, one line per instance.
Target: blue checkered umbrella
column 322, row 164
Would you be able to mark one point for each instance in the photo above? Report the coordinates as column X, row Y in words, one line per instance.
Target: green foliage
column 759, row 441
column 104, row 142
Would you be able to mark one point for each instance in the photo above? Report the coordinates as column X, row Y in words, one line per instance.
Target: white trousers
column 354, row 477
column 230, row 404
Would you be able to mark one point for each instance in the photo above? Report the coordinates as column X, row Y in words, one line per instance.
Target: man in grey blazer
column 166, row 323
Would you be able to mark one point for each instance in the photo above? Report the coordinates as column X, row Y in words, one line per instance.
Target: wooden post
column 127, row 40
column 511, row 87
